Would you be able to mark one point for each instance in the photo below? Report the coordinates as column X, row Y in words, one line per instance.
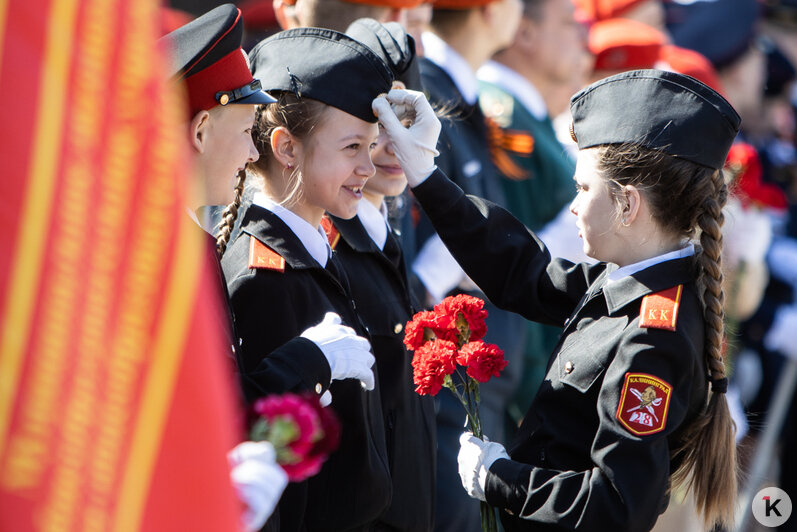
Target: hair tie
column 719, row 385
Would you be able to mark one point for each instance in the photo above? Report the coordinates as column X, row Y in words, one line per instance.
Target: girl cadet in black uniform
column 314, row 145
column 371, row 254
column 632, row 403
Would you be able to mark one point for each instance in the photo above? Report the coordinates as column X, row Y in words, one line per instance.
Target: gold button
column 569, row 367
column 225, row 98
column 318, row 388
column 397, row 328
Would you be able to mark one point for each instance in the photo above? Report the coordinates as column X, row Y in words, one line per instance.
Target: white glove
column 780, row 336
column 349, row 355
column 415, row 147
column 475, row 458
column 258, row 480
column 326, row 399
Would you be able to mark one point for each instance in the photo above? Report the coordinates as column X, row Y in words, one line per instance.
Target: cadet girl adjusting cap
column 324, row 65
column 664, row 111
column 394, row 45
column 207, row 55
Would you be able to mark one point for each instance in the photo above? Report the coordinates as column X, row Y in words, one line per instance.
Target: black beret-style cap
column 324, row 65
column 393, row 44
column 664, row 111
column 206, row 53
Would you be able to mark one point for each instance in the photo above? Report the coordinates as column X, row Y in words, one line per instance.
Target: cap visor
column 256, row 98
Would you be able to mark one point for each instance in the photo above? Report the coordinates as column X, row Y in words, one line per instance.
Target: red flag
column 116, row 402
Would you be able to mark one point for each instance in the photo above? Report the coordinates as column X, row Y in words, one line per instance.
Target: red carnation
column 425, row 326
column 466, row 314
column 482, row 360
column 432, row 362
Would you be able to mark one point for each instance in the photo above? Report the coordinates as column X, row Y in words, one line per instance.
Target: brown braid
column 229, row 216
column 684, row 197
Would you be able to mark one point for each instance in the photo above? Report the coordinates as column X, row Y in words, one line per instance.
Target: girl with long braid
column 633, row 402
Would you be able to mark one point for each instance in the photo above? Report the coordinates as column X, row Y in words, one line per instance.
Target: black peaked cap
column 664, row 111
column 393, row 44
column 324, row 65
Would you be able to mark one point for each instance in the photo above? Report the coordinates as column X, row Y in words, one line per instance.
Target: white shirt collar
column 631, row 269
column 374, row 221
column 192, row 215
column 441, row 54
column 516, row 85
column 313, row 238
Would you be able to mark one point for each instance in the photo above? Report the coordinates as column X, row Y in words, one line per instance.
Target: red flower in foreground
column 302, row 432
column 482, row 360
column 290, row 408
column 430, row 365
column 471, row 309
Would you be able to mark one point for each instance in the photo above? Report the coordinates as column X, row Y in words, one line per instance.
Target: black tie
column 392, row 250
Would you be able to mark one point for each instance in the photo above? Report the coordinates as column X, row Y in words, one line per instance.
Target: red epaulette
column 263, row 257
column 333, row 235
column 660, row 310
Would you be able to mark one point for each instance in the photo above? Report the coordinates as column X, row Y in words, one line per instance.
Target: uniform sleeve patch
column 263, row 257
column 660, row 310
column 644, row 404
column 333, row 235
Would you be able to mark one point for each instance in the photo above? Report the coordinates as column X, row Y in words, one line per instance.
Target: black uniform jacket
column 574, row 465
column 379, row 287
column 353, row 487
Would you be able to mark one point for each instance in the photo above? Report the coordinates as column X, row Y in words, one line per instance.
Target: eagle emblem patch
column 644, row 404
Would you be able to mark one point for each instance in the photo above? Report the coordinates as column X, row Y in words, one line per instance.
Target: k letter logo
column 771, row 507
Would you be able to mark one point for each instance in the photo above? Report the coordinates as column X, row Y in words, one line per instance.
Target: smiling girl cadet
column 315, row 155
column 633, row 400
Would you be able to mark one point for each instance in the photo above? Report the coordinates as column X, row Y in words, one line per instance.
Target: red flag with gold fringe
column 116, row 398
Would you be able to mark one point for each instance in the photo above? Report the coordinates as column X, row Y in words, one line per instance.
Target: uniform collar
column 313, row 239
column 374, row 221
column 655, row 278
column 441, row 54
column 516, row 85
column 630, row 269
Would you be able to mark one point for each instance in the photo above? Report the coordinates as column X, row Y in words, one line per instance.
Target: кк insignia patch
column 333, row 235
column 263, row 257
column 644, row 404
column 660, row 310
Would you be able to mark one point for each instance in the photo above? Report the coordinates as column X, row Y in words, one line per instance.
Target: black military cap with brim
column 323, row 65
column 393, row 44
column 206, row 53
column 664, row 111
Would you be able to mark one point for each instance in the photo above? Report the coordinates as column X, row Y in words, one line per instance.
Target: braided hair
column 685, row 198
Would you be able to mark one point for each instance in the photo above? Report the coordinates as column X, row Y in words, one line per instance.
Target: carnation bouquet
column 302, row 432
column 448, row 341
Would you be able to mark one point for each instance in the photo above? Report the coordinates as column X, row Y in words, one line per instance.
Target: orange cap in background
column 597, row 10
column 623, row 44
column 691, row 63
column 460, row 4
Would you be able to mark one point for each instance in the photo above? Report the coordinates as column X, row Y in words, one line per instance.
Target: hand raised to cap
column 415, row 146
column 349, row 355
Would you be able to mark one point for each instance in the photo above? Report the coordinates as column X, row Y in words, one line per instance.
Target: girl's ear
column 630, row 209
column 285, row 147
column 197, row 130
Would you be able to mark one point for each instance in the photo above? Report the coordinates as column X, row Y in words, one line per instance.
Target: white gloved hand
column 349, row 355
column 780, row 336
column 258, row 480
column 415, row 147
column 475, row 458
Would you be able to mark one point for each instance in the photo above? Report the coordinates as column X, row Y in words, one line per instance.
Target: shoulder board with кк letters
column 263, row 257
column 660, row 310
column 333, row 235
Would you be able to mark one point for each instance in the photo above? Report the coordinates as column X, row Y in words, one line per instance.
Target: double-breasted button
column 397, row 329
column 569, row 367
column 318, row 388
